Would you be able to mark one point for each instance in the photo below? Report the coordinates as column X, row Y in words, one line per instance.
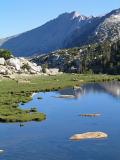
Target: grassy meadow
column 13, row 92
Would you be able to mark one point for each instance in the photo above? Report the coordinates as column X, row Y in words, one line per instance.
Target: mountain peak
column 67, row 30
column 75, row 14
column 117, row 11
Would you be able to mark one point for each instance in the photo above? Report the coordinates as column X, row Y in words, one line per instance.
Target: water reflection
column 49, row 140
column 112, row 88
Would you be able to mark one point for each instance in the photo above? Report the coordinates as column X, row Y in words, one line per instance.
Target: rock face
column 66, row 31
column 99, row 29
column 89, row 135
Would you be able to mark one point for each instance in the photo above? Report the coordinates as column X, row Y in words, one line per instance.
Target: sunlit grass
column 12, row 93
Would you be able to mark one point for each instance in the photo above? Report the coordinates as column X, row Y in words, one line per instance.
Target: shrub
column 5, row 54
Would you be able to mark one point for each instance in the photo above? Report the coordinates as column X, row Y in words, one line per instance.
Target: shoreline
column 13, row 93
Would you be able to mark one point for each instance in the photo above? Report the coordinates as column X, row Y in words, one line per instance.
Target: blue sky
column 17, row 16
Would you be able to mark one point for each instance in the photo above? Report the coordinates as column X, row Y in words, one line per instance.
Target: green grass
column 12, row 93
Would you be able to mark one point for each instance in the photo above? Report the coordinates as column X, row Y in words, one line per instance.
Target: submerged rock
column 90, row 115
column 65, row 96
column 1, row 151
column 89, row 135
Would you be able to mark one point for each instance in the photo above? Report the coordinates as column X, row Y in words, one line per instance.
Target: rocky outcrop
column 23, row 66
column 18, row 65
column 89, row 135
column 60, row 59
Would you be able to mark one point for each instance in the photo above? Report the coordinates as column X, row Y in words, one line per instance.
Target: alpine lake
column 49, row 139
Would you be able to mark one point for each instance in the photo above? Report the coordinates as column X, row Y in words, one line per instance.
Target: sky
column 17, row 16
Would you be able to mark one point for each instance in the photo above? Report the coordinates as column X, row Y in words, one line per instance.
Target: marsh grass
column 12, row 93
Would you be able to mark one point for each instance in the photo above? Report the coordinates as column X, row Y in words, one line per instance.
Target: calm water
column 49, row 140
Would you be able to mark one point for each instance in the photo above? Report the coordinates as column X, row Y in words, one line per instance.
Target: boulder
column 23, row 60
column 2, row 61
column 31, row 67
column 89, row 135
column 9, row 72
column 52, row 71
column 3, row 71
column 33, row 71
column 35, row 68
column 15, row 62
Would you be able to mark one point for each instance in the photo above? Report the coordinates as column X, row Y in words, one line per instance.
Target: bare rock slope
column 65, row 31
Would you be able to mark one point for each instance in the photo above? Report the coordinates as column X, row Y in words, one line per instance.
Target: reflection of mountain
column 112, row 88
column 70, row 91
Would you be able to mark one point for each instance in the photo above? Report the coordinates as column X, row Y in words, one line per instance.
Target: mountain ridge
column 66, row 31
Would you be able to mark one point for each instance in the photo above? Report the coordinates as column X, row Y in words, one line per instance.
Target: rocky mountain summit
column 98, row 29
column 66, row 31
column 46, row 38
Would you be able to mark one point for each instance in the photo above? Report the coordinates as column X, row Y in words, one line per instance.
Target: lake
column 49, row 139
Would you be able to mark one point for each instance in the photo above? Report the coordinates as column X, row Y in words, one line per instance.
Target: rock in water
column 90, row 115
column 65, row 96
column 1, row 151
column 89, row 135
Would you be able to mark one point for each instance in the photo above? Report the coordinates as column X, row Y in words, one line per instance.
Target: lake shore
column 20, row 89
